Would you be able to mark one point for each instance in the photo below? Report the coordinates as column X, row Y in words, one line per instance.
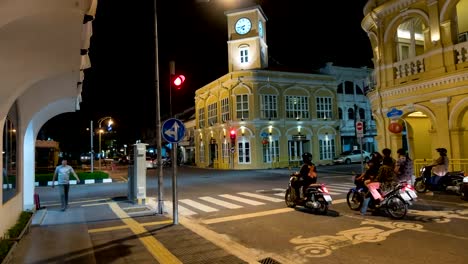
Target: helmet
column 306, row 156
column 442, row 150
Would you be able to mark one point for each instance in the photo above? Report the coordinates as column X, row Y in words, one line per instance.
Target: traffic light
column 177, row 80
column 232, row 134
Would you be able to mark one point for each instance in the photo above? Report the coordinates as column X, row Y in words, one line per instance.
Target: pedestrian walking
column 62, row 173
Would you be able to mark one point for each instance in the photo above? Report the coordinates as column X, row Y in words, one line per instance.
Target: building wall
column 426, row 76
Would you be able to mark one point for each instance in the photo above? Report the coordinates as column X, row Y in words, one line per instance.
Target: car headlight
column 465, row 179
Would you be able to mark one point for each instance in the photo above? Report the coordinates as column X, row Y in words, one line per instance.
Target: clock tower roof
column 245, row 10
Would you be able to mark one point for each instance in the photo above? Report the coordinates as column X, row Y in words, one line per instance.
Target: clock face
column 243, row 26
column 260, row 29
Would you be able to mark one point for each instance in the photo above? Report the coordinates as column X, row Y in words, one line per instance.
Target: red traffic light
column 177, row 81
column 233, row 134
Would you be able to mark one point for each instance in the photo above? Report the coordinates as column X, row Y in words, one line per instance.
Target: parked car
column 352, row 156
column 151, row 162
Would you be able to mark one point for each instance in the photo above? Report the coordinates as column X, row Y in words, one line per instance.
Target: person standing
column 62, row 173
column 404, row 167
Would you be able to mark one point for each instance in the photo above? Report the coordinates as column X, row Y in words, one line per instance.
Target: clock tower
column 247, row 49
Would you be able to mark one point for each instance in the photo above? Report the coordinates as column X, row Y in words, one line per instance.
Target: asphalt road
column 248, row 208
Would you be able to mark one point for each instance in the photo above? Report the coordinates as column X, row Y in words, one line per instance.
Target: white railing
column 461, row 52
column 409, row 67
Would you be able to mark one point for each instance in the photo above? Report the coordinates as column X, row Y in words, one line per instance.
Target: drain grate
column 269, row 261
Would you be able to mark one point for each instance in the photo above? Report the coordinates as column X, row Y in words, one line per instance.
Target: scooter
column 395, row 202
column 451, row 182
column 316, row 196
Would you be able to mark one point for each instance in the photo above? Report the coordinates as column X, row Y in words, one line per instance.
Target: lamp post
column 100, row 133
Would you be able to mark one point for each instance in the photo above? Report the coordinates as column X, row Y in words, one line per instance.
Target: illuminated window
column 242, row 106
column 225, row 110
column 201, row 117
column 213, row 113
column 268, row 106
column 324, row 107
column 244, row 54
column 243, row 151
column 327, row 147
column 271, row 151
column 297, row 107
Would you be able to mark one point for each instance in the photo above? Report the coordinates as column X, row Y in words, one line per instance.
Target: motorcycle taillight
column 324, row 189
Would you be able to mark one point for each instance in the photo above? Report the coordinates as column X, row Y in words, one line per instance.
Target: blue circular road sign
column 173, row 130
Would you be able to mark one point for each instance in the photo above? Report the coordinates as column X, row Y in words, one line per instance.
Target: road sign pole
column 175, row 200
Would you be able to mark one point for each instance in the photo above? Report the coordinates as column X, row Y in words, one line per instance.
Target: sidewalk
column 114, row 231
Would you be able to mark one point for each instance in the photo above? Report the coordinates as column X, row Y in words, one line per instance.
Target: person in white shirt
column 440, row 166
column 62, row 173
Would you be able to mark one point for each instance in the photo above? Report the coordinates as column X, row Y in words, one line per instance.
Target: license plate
column 412, row 194
column 405, row 196
column 327, row 198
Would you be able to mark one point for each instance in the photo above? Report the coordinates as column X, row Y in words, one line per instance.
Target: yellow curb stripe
column 112, row 228
column 106, row 229
column 155, row 248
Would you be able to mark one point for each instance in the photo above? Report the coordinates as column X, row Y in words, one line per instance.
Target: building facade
column 420, row 53
column 258, row 117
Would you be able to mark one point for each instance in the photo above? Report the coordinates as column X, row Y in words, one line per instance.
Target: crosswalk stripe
column 220, row 202
column 198, row 205
column 261, row 197
column 280, row 194
column 240, row 199
column 279, row 189
column 344, row 185
column 180, row 209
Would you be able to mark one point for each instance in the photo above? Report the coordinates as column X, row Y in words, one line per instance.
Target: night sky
column 121, row 82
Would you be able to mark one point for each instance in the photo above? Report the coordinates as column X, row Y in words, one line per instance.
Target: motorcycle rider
column 440, row 166
column 404, row 166
column 307, row 174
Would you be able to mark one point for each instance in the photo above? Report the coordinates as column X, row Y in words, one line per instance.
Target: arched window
column 350, row 114
column 340, row 88
column 349, row 87
column 410, row 39
column 362, row 114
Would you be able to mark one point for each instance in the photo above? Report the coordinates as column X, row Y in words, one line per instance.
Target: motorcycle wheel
column 289, row 199
column 396, row 207
column 420, row 186
column 323, row 209
column 354, row 200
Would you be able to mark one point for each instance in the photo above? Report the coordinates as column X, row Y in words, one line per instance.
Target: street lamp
column 100, row 133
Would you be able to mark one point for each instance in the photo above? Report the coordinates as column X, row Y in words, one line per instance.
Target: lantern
column 395, row 127
column 265, row 141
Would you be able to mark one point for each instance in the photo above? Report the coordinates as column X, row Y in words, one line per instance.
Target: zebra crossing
column 216, row 203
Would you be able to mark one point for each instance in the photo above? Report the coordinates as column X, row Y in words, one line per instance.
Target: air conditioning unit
column 462, row 37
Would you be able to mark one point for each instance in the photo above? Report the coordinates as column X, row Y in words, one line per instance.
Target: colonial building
column 421, row 75
column 258, row 117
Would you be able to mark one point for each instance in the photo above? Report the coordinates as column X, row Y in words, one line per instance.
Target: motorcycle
column 395, row 202
column 464, row 189
column 451, row 182
column 316, row 196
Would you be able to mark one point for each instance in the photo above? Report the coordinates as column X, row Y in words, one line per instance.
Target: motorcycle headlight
column 465, row 179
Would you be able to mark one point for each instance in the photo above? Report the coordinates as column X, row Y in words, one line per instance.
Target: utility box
column 137, row 175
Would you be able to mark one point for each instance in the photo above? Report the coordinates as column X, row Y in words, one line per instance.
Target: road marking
column 220, row 202
column 240, row 199
column 245, row 216
column 261, row 197
column 198, row 205
column 180, row 209
column 154, row 247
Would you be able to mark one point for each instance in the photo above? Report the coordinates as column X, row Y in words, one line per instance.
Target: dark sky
column 121, row 82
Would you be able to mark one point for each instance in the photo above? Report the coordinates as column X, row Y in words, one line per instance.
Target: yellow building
column 275, row 115
column 421, row 74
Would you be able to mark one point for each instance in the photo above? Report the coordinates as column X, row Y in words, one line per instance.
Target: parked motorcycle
column 464, row 189
column 317, row 197
column 451, row 182
column 395, row 203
